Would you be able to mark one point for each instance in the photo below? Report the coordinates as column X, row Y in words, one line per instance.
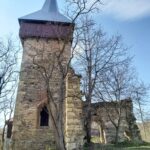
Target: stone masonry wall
column 101, row 113
column 74, row 132
column 27, row 133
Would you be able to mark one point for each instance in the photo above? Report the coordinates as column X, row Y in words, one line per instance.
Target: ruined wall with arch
column 105, row 113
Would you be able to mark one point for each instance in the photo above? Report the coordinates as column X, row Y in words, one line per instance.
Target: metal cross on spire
column 49, row 12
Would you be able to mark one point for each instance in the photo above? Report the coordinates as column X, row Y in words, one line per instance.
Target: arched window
column 44, row 117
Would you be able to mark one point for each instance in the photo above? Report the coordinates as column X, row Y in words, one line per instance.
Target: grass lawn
column 139, row 148
column 118, row 148
column 128, row 148
column 145, row 146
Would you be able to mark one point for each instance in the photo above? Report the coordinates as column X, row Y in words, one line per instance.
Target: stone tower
column 42, row 34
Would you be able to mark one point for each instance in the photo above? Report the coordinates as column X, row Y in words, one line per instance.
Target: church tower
column 42, row 33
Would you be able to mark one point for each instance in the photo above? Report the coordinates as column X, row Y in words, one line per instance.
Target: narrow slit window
column 44, row 117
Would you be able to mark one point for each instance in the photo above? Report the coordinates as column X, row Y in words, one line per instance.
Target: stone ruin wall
column 128, row 127
column 74, row 129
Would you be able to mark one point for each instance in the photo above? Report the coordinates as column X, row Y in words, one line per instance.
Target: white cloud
column 126, row 9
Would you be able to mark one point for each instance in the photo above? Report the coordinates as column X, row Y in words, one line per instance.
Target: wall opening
column 44, row 117
column 102, row 134
column 95, row 133
column 9, row 128
column 98, row 133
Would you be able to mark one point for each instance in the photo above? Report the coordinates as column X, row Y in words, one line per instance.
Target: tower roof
column 48, row 13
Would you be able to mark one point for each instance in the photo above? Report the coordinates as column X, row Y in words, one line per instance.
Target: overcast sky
column 130, row 18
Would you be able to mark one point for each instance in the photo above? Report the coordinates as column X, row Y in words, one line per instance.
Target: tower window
column 44, row 117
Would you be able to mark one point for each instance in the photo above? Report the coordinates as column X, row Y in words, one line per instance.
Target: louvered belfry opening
column 44, row 117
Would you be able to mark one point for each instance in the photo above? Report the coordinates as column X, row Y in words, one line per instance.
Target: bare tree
column 119, row 83
column 9, row 51
column 8, row 62
column 8, row 109
column 114, row 87
column 95, row 54
column 140, row 96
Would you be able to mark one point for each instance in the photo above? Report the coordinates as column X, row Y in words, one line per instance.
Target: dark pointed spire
column 49, row 13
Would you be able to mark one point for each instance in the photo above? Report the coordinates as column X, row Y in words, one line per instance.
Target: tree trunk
column 88, row 122
column 3, row 137
column 60, row 141
column 88, row 131
column 56, row 112
column 57, row 127
column 116, row 135
column 60, row 124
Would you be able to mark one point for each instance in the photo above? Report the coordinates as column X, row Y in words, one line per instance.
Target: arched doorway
column 98, row 133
